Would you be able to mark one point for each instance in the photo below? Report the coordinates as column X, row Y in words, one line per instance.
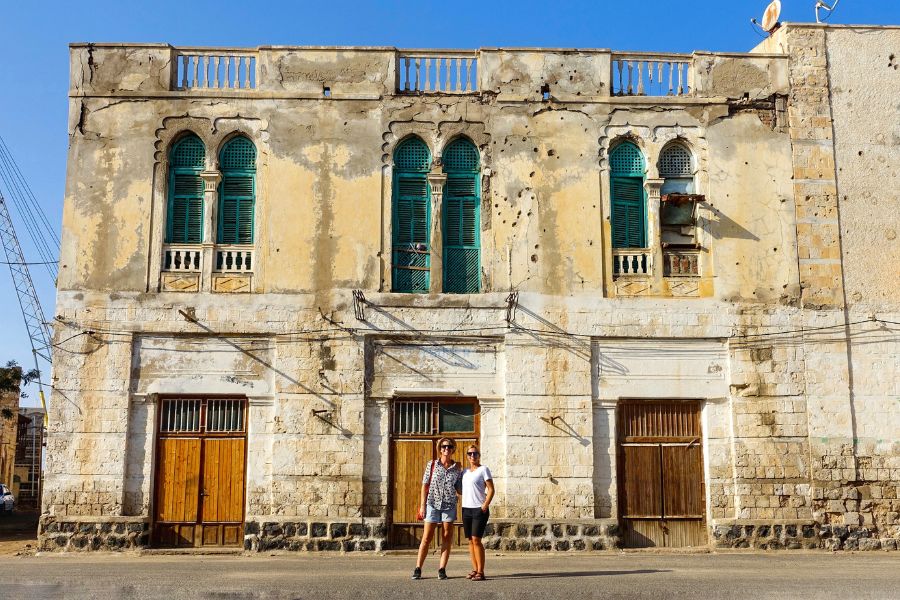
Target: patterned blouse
column 444, row 484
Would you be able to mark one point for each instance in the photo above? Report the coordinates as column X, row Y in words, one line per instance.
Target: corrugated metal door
column 661, row 499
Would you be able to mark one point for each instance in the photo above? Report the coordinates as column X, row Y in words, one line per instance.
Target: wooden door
column 416, row 426
column 200, row 473
column 661, row 499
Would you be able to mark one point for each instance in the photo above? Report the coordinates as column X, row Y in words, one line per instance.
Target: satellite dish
column 770, row 17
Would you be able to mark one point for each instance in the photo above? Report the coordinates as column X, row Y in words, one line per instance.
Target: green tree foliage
column 12, row 379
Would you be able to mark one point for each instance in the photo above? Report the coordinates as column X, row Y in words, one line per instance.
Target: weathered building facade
column 659, row 290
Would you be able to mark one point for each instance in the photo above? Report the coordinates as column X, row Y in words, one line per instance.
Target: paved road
column 607, row 575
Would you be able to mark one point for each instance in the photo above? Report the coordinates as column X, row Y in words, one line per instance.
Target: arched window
column 184, row 219
column 676, row 168
column 629, row 213
column 461, row 225
column 237, row 192
column 411, row 217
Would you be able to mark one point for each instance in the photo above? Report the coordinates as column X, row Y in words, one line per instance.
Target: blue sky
column 34, row 66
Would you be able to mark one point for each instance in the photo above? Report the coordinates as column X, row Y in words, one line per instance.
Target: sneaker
column 442, row 574
column 417, row 573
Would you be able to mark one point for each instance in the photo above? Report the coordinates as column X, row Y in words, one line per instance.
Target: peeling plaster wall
column 548, row 407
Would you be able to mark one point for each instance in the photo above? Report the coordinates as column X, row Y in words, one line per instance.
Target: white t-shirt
column 473, row 486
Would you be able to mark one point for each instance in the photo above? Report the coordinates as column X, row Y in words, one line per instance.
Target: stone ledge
column 311, row 536
column 804, row 535
column 562, row 536
column 59, row 534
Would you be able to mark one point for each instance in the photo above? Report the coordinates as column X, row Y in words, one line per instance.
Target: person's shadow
column 578, row 574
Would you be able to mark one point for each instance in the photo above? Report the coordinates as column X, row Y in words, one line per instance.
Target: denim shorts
column 436, row 515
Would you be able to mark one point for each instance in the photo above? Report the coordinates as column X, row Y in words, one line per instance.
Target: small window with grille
column 427, row 418
column 202, row 416
column 677, row 169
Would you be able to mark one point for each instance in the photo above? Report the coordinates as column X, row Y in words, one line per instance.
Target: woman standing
column 437, row 504
column 477, row 493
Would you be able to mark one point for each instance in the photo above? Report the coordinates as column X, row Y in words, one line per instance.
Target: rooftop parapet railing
column 437, row 72
column 639, row 74
column 214, row 69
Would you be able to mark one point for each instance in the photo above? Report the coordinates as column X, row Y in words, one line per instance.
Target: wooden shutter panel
column 236, row 209
column 185, row 223
column 411, row 259
column 628, row 219
column 462, row 240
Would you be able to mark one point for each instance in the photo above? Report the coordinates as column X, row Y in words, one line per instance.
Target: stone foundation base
column 262, row 536
column 805, row 535
column 57, row 534
column 548, row 535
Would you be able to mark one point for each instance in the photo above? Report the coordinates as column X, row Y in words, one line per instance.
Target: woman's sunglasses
column 474, row 453
column 448, row 447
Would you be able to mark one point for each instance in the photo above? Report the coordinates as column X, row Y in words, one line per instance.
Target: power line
column 42, row 234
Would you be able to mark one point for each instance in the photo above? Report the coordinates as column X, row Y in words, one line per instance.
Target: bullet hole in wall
column 534, row 258
column 545, row 92
column 551, row 152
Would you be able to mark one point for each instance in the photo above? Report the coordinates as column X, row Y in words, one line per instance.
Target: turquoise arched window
column 627, row 197
column 411, row 217
column 184, row 218
column 461, row 223
column 237, row 192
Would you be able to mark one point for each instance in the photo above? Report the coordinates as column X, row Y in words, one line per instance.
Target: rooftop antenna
column 770, row 17
column 820, row 5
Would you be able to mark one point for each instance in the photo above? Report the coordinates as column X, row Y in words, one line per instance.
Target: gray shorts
column 436, row 515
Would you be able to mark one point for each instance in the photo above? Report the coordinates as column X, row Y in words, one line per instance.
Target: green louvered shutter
column 629, row 213
column 628, row 230
column 411, row 218
column 461, row 219
column 184, row 223
column 237, row 192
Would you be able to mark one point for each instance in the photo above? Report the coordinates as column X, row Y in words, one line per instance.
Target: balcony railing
column 234, row 259
column 215, row 69
column 437, row 72
column 681, row 263
column 651, row 75
column 632, row 261
column 185, row 259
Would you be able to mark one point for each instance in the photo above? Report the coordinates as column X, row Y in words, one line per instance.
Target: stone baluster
column 640, row 82
column 406, row 60
column 184, row 60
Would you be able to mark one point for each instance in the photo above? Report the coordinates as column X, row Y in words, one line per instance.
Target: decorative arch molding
column 214, row 132
column 436, row 136
column 652, row 140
